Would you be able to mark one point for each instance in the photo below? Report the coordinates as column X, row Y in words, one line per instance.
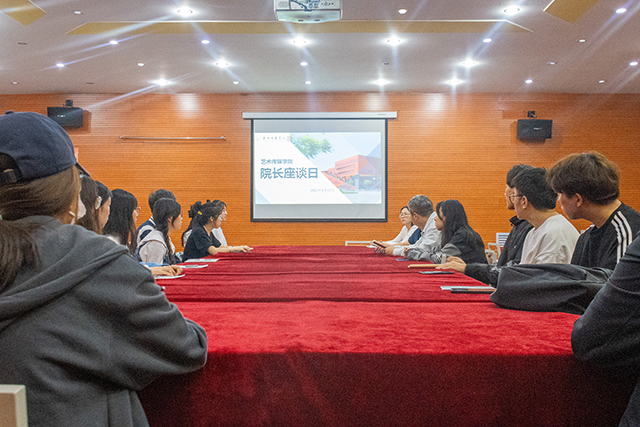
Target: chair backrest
column 501, row 239
column 13, row 406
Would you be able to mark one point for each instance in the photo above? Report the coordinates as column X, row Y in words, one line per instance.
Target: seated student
column 121, row 225
column 409, row 234
column 206, row 217
column 105, row 204
column 217, row 232
column 219, row 239
column 91, row 202
column 156, row 247
column 82, row 324
column 457, row 237
column 588, row 184
column 608, row 333
column 150, row 225
column 553, row 237
column 512, row 250
column 423, row 216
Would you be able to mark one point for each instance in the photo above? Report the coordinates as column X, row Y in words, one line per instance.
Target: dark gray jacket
column 608, row 333
column 87, row 328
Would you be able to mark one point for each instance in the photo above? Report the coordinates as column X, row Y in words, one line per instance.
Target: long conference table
column 342, row 336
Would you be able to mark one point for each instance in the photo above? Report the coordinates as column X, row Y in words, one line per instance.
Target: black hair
column 89, row 196
column 164, row 212
column 103, row 192
column 160, row 194
column 515, row 170
column 532, row 184
column 120, row 222
column 455, row 220
column 201, row 212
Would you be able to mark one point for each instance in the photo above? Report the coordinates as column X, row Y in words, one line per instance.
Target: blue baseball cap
column 38, row 146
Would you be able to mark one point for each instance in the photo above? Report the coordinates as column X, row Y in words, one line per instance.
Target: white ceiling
column 338, row 60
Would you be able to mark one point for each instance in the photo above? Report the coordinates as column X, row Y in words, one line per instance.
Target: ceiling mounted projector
column 308, row 11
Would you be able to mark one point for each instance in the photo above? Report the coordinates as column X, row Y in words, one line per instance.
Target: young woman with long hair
column 458, row 238
column 105, row 204
column 89, row 197
column 121, row 225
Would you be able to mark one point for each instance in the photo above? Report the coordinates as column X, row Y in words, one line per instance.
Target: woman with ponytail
column 201, row 241
column 156, row 247
column 82, row 324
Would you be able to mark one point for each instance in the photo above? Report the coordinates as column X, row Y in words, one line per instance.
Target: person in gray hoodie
column 82, row 324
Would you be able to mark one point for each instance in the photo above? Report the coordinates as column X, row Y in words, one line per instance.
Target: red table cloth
column 345, row 360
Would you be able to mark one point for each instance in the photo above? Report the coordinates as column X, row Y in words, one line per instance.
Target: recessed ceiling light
column 235, row 83
column 512, row 10
column 551, row 63
column 468, row 63
column 621, row 10
column 394, row 41
column 205, row 41
column 381, row 82
column 222, row 64
column 299, row 41
column 113, row 42
column 77, row 12
column 60, row 65
column 582, row 40
column 162, row 82
column 14, row 83
column 633, row 63
column 185, row 11
column 487, row 40
column 454, row 82
column 304, row 64
column 528, row 81
column 402, row 11
column 140, row 64
column 600, row 81
column 308, row 82
column 22, row 43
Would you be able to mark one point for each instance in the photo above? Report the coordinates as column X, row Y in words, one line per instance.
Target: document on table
column 169, row 277
column 202, row 260
column 469, row 289
column 193, row 266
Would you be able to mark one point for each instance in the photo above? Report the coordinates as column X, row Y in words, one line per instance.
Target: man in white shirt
column 553, row 237
column 423, row 216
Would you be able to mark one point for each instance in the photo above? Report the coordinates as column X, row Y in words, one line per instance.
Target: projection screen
column 319, row 166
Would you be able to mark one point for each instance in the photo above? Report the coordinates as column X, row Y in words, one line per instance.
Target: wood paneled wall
column 441, row 145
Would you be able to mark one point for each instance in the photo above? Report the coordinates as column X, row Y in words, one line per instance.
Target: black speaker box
column 66, row 116
column 534, row 129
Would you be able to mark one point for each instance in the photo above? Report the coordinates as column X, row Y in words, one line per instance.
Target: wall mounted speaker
column 66, row 116
column 534, row 129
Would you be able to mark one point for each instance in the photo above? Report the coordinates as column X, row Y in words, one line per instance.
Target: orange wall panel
column 442, row 145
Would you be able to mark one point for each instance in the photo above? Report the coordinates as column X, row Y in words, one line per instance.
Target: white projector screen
column 319, row 166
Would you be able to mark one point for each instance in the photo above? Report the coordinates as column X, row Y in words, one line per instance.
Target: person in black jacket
column 512, row 250
column 588, row 188
column 457, row 237
column 608, row 333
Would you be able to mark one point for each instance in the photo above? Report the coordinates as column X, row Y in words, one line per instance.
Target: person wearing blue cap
column 82, row 324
